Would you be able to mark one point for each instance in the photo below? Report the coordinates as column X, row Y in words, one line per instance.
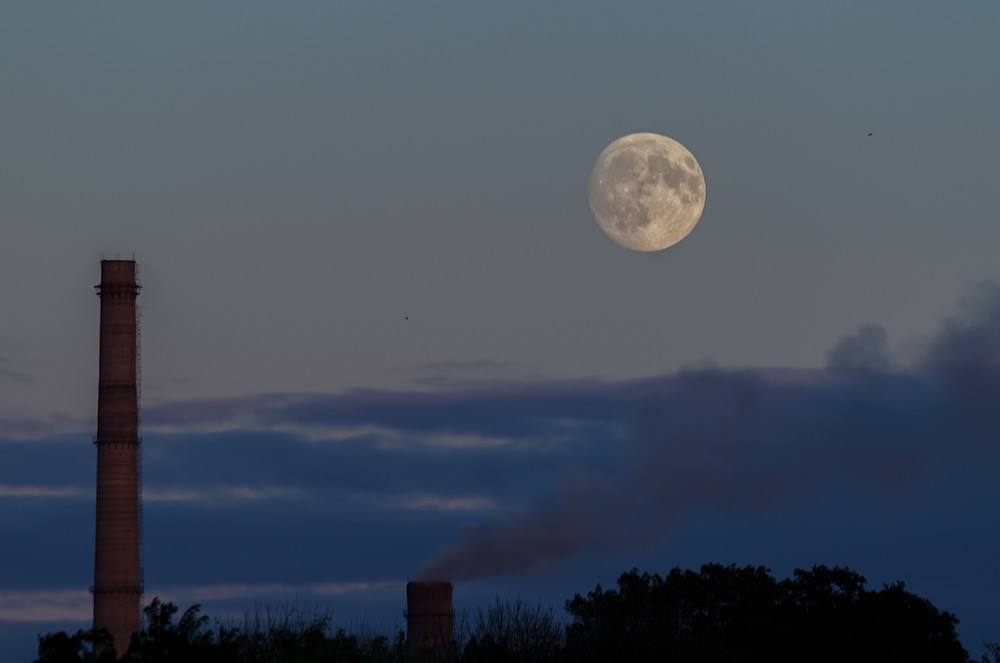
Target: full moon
column 646, row 192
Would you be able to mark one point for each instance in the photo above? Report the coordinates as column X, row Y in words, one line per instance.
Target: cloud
column 443, row 370
column 867, row 350
column 500, row 477
column 46, row 605
column 456, row 375
column 221, row 494
column 338, row 588
column 7, row 490
column 14, row 376
column 968, row 341
column 495, row 410
column 7, row 372
column 20, row 427
column 199, row 593
column 440, row 503
column 59, row 605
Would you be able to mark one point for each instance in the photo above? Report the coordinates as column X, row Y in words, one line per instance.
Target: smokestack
column 429, row 616
column 117, row 571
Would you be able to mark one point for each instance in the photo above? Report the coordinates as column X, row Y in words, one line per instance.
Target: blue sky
column 378, row 320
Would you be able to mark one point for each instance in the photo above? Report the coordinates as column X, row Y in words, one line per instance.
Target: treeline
column 721, row 613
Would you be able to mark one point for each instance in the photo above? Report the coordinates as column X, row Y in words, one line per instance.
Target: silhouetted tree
column 721, row 613
column 64, row 648
column 281, row 635
column 737, row 614
column 513, row 632
column 163, row 641
column 290, row 634
column 992, row 654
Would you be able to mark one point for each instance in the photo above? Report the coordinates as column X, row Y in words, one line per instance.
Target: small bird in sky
column 869, row 133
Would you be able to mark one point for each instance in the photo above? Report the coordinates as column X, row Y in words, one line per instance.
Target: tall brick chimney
column 117, row 568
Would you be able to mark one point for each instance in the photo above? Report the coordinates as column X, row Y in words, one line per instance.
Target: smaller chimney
column 429, row 615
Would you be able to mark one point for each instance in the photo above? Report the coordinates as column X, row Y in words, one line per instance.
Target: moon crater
column 646, row 191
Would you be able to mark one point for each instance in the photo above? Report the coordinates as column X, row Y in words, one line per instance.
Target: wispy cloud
column 489, row 411
column 63, row 605
column 443, row 368
column 252, row 591
column 8, row 372
column 46, row 605
column 228, row 495
column 14, row 376
column 222, row 494
column 338, row 588
column 438, row 502
column 22, row 427
column 459, row 374
column 7, row 490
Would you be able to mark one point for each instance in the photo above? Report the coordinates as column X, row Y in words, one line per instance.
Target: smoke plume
column 745, row 441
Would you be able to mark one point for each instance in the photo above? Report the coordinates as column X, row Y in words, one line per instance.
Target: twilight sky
column 379, row 321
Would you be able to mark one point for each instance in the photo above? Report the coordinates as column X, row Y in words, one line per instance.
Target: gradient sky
column 297, row 181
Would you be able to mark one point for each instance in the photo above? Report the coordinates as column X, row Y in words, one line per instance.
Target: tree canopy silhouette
column 733, row 614
column 720, row 613
column 280, row 635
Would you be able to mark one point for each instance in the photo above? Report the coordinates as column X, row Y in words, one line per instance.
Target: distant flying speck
column 869, row 133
